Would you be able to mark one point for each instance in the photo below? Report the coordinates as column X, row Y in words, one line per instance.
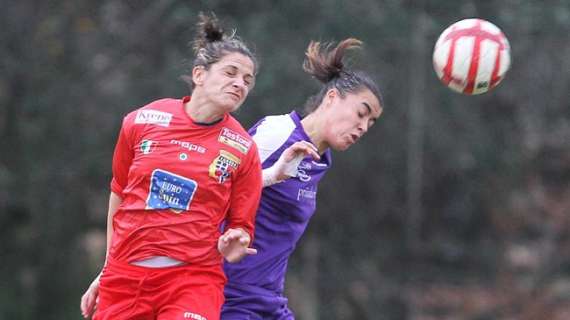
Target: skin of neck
column 201, row 110
column 314, row 125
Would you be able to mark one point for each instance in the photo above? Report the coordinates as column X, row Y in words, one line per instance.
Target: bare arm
column 286, row 165
column 89, row 298
column 234, row 245
column 114, row 202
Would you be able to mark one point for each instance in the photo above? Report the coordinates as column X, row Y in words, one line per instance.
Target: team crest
column 223, row 165
column 234, row 140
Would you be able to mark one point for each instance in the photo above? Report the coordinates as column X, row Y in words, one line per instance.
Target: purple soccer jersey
column 283, row 215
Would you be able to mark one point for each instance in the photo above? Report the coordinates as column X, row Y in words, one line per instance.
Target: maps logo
column 193, row 316
column 188, row 145
column 147, row 146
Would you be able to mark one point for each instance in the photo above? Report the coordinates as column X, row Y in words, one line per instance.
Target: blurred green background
column 451, row 207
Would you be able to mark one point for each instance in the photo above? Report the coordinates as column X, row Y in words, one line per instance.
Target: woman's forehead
column 366, row 96
column 237, row 60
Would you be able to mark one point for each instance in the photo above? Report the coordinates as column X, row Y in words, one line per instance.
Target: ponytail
column 325, row 63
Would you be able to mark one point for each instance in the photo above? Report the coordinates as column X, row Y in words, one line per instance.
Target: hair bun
column 209, row 31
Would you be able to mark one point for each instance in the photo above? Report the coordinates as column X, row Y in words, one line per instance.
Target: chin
column 231, row 107
column 235, row 108
column 234, row 105
column 340, row 147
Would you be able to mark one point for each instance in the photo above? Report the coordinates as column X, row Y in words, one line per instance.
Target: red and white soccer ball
column 472, row 56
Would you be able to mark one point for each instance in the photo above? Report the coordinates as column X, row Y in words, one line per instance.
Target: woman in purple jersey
column 295, row 155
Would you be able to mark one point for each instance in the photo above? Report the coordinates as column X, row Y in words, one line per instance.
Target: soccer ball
column 472, row 56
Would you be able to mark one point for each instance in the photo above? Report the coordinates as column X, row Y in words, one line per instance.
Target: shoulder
column 157, row 112
column 273, row 127
column 232, row 133
column 273, row 133
column 235, row 126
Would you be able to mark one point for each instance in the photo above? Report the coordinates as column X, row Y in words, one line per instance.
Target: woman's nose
column 239, row 83
column 363, row 127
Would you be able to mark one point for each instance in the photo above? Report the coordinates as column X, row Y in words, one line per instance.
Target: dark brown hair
column 212, row 43
column 325, row 63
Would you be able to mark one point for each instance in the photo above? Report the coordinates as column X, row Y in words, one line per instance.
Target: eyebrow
column 369, row 108
column 235, row 68
column 229, row 66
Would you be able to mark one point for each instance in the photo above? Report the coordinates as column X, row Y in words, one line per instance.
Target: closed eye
column 363, row 111
column 249, row 81
column 230, row 71
column 368, row 112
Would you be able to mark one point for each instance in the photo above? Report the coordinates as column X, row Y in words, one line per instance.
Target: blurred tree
column 451, row 207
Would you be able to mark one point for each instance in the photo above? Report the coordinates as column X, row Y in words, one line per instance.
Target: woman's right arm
column 114, row 202
column 122, row 160
column 89, row 298
column 286, row 166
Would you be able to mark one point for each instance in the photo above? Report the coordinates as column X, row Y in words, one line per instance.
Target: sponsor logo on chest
column 234, row 140
column 306, row 195
column 189, row 145
column 303, row 171
column 193, row 316
column 150, row 116
column 168, row 190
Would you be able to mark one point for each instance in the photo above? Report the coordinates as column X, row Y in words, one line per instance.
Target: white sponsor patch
column 235, row 140
column 153, row 117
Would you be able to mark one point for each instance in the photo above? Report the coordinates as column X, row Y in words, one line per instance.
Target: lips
column 235, row 95
column 354, row 137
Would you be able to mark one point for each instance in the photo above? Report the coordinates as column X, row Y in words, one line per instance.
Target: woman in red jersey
column 181, row 168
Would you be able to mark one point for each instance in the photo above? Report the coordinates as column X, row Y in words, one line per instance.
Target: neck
column 201, row 110
column 313, row 128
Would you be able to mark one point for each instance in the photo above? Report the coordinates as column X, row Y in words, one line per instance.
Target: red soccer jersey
column 179, row 181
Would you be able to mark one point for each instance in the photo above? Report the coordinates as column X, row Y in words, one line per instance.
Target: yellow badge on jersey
column 223, row 165
column 234, row 140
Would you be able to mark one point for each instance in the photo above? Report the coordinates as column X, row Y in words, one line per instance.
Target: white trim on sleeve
column 272, row 133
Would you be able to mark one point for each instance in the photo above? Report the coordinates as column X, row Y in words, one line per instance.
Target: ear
column 198, row 73
column 330, row 96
